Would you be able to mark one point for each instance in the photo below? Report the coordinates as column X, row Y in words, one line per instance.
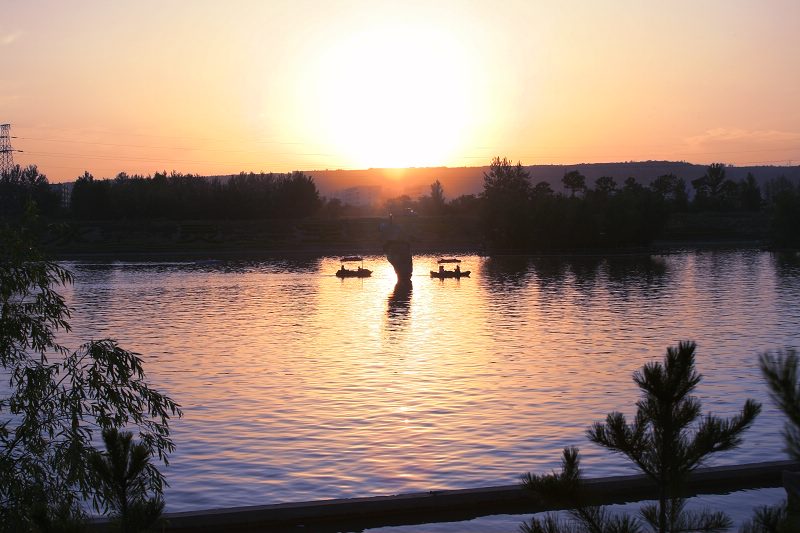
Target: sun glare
column 395, row 98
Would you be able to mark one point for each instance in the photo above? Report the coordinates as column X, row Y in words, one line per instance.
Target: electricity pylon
column 6, row 152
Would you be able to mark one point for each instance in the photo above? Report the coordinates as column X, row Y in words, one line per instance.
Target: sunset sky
column 215, row 87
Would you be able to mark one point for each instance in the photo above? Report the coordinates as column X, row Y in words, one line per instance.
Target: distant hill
column 469, row 180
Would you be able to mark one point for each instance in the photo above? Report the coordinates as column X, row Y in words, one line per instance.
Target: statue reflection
column 400, row 300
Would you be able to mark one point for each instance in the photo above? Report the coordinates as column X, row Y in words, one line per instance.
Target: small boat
column 360, row 272
column 442, row 274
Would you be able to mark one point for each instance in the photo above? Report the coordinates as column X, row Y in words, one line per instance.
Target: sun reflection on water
column 299, row 385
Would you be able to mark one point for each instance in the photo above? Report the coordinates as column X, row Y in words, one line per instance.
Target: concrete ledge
column 356, row 514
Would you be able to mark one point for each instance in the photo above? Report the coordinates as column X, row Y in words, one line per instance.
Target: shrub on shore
column 57, row 398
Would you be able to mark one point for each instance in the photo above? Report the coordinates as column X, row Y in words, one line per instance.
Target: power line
column 141, row 159
column 156, row 136
column 123, row 145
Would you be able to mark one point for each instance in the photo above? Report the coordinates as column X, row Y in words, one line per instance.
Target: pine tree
column 662, row 443
column 125, row 480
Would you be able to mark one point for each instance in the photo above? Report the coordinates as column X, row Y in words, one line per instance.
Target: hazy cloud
column 8, row 38
column 738, row 134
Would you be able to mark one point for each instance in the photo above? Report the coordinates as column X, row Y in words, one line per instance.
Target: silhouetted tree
column 128, row 484
column 671, row 191
column 634, row 216
column 182, row 196
column 664, row 186
column 681, row 196
column 574, row 181
column 605, row 186
column 750, row 193
column 435, row 203
column 631, row 185
column 713, row 190
column 776, row 187
column 661, row 443
column 296, row 196
column 546, row 213
column 506, row 190
column 20, row 187
column 542, row 190
column 504, row 176
column 784, row 205
column 90, row 199
column 437, row 196
column 465, row 204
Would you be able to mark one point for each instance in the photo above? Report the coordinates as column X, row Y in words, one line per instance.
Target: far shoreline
column 198, row 254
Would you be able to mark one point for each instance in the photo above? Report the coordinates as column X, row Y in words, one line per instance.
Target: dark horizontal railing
column 356, row 514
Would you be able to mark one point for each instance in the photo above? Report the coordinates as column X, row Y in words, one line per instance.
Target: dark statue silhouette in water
column 400, row 300
column 397, row 248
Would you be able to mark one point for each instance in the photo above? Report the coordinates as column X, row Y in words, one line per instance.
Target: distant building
column 364, row 196
column 64, row 191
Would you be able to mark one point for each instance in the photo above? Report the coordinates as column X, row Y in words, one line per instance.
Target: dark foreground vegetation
column 55, row 399
column 513, row 213
column 666, row 440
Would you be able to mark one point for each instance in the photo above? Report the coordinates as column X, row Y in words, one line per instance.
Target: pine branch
column 558, row 488
column 715, row 434
column 781, row 373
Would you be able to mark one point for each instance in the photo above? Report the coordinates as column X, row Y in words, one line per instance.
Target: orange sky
column 219, row 87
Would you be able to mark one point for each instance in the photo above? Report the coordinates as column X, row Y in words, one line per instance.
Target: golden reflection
column 297, row 383
column 399, row 302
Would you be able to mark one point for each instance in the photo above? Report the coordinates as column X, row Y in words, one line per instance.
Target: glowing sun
column 396, row 97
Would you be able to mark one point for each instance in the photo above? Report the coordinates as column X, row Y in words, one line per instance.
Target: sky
column 216, row 88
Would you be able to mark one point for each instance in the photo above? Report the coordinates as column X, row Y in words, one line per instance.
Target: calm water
column 297, row 385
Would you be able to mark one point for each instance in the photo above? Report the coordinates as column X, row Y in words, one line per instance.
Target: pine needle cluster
column 667, row 439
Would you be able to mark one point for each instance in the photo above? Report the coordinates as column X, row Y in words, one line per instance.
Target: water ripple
column 297, row 385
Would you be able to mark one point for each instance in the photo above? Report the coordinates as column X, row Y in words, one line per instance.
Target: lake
column 297, row 385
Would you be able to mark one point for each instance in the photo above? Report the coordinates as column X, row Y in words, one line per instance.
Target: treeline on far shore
column 518, row 214
column 513, row 212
